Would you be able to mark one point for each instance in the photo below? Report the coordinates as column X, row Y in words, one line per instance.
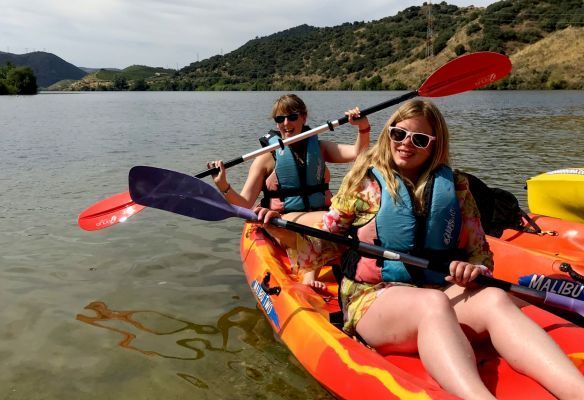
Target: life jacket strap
column 289, row 192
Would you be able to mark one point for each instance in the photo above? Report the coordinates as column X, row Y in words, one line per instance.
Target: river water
column 158, row 307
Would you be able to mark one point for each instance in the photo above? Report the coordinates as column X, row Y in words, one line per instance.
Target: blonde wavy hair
column 381, row 157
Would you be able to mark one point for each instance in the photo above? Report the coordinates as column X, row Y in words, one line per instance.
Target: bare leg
column 519, row 340
column 286, row 238
column 407, row 319
column 305, row 218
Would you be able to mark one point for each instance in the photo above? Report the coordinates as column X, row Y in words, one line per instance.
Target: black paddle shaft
column 215, row 170
column 369, row 249
column 380, row 252
column 381, row 106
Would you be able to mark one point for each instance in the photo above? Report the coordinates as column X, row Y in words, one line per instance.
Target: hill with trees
column 544, row 39
column 47, row 67
column 134, row 77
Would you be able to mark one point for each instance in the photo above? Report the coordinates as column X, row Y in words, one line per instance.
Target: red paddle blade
column 108, row 212
column 467, row 72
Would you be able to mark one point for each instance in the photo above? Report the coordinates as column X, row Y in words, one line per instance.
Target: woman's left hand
column 462, row 273
column 265, row 214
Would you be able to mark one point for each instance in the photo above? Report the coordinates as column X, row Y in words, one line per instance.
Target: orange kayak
column 557, row 252
column 347, row 368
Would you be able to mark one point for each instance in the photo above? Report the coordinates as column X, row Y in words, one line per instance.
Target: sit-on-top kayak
column 301, row 317
column 558, row 194
column 552, row 260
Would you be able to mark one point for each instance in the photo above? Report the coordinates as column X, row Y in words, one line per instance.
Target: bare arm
column 343, row 153
column 258, row 171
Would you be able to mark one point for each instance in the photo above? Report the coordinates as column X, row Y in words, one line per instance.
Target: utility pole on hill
column 429, row 33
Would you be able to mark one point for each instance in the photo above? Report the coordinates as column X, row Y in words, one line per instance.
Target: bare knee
column 413, row 308
column 490, row 306
column 495, row 298
column 433, row 302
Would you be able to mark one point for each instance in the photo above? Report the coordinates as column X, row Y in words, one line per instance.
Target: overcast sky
column 169, row 33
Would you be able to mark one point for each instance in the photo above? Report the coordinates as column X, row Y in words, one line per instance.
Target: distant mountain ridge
column 47, row 67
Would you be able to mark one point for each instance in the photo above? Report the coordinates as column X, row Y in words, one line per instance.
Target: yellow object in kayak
column 558, row 194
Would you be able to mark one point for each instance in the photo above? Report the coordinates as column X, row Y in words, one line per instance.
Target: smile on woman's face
column 409, row 158
column 290, row 126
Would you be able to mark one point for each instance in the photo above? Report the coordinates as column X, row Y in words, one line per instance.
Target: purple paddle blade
column 181, row 194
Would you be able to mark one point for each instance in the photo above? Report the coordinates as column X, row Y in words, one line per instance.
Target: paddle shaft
column 329, row 126
column 548, row 298
column 366, row 248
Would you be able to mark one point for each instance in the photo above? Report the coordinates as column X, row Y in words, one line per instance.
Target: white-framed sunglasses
column 420, row 140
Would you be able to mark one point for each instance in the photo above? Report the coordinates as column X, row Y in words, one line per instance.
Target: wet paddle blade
column 113, row 210
column 181, row 194
column 467, row 72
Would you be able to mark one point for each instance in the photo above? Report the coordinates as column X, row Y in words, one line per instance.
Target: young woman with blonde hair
column 403, row 195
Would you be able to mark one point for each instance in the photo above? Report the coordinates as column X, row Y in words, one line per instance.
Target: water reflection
column 274, row 374
column 200, row 336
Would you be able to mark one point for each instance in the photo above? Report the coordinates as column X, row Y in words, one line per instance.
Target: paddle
column 108, row 212
column 467, row 72
column 186, row 195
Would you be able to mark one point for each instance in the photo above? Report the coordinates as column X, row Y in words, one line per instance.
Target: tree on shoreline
column 17, row 80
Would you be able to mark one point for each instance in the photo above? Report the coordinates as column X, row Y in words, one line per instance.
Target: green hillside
column 134, row 72
column 135, row 77
column 47, row 67
column 390, row 53
column 371, row 55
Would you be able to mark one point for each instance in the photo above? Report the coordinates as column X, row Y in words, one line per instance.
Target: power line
column 429, row 32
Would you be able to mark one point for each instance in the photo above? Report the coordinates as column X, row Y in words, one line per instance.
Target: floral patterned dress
column 358, row 209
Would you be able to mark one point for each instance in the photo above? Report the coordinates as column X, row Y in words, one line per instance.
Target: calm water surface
column 158, row 307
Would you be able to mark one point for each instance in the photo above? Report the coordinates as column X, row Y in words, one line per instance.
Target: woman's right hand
column 219, row 178
column 462, row 272
column 354, row 118
column 284, row 237
column 265, row 214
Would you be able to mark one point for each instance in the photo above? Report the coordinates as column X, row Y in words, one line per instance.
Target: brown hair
column 289, row 104
column 380, row 156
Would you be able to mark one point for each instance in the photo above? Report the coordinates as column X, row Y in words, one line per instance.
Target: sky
column 169, row 33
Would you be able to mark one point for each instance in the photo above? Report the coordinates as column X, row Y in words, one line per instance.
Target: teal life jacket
column 396, row 227
column 300, row 183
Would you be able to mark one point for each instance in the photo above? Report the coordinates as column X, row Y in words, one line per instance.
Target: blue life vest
column 397, row 227
column 301, row 183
